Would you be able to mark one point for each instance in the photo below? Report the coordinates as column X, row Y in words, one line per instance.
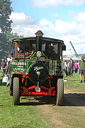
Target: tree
column 5, row 26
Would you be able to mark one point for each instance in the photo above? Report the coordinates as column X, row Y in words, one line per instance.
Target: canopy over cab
column 51, row 47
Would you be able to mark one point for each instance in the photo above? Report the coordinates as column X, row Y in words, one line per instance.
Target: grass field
column 73, row 83
column 41, row 115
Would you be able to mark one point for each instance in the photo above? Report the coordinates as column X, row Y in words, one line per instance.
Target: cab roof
column 34, row 38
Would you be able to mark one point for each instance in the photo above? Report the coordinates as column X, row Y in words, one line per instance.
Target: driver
column 19, row 49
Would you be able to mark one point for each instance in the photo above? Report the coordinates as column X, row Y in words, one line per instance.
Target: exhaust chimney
column 39, row 35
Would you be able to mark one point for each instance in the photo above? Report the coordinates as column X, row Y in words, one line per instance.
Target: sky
column 60, row 19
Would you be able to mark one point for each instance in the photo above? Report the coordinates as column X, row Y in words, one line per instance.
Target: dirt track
column 52, row 113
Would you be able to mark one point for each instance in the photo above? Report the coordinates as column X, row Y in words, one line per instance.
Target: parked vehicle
column 37, row 69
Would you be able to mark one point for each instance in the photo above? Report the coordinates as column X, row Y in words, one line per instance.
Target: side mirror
column 64, row 47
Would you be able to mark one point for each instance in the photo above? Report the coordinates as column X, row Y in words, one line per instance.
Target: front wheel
column 16, row 91
column 60, row 92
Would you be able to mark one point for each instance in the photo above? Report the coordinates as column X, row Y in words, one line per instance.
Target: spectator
column 9, row 72
column 76, row 67
column 82, row 69
column 3, row 67
column 66, row 69
column 71, row 64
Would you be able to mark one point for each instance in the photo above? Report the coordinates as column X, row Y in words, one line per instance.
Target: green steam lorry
column 37, row 69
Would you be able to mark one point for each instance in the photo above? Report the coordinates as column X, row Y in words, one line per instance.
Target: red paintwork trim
column 44, row 91
column 37, row 93
column 51, row 91
column 25, row 76
column 34, row 86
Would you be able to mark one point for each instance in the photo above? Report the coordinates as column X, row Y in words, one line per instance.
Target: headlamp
column 38, row 89
column 51, row 72
column 38, row 53
column 25, row 72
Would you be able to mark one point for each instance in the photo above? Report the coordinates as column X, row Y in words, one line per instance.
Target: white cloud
column 56, row 3
column 46, row 23
column 73, row 2
column 66, row 28
column 21, row 18
column 26, row 31
column 73, row 31
column 80, row 17
column 22, row 24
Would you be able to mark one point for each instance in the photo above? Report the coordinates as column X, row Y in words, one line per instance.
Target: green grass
column 29, row 115
column 73, row 83
column 18, row 116
column 22, row 116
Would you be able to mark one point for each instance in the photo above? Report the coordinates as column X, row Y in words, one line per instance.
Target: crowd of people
column 71, row 67
column 74, row 66
column 3, row 67
column 6, row 67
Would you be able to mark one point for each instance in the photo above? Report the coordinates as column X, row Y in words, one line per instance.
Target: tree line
column 5, row 28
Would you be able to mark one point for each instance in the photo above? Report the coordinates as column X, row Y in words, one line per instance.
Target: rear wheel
column 16, row 91
column 60, row 92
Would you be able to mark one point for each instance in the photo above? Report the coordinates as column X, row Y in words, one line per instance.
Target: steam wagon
column 37, row 68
